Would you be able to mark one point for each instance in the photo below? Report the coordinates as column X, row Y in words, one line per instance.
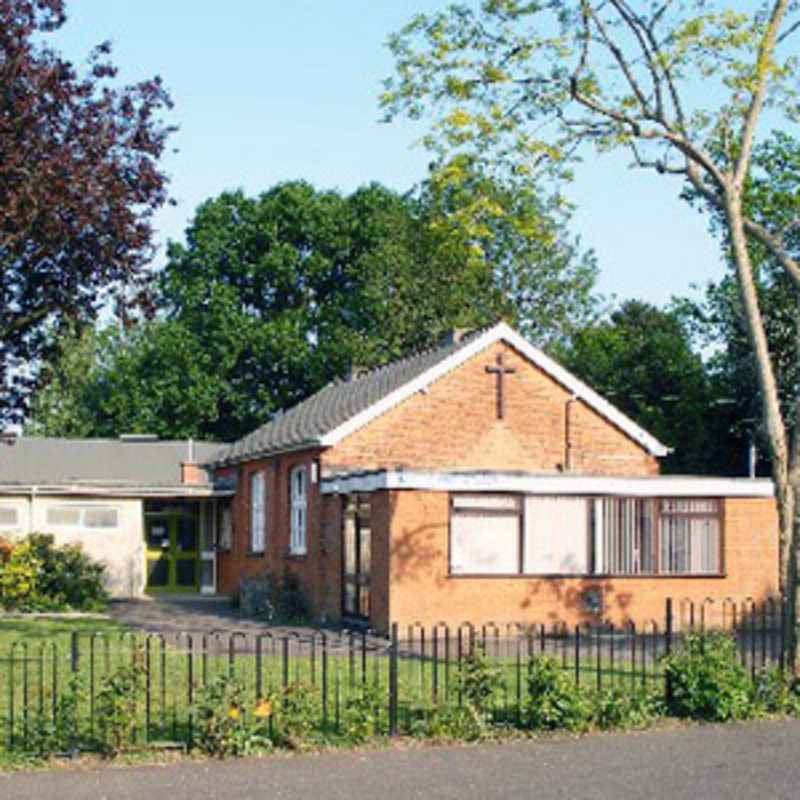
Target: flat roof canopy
column 531, row 483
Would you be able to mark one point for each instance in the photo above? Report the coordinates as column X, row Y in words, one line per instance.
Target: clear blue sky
column 273, row 90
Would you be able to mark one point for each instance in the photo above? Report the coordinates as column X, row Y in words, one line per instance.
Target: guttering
column 527, row 483
column 34, row 490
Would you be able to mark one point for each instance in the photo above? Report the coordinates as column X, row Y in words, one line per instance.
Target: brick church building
column 482, row 481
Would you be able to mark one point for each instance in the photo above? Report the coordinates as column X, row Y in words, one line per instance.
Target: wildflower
column 234, row 712
column 263, row 707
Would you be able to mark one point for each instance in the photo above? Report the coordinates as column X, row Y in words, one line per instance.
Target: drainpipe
column 568, row 434
column 31, row 505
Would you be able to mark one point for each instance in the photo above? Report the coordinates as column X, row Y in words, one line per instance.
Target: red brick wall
column 240, row 562
column 455, row 425
column 422, row 591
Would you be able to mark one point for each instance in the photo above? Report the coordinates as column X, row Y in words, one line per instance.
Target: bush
column 290, row 605
column 626, row 707
column 36, row 575
column 224, row 725
column 365, row 714
column 55, row 734
column 554, row 701
column 774, row 692
column 296, row 715
column 118, row 702
column 706, row 679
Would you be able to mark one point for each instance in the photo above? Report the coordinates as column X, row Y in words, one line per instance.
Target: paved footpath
column 735, row 762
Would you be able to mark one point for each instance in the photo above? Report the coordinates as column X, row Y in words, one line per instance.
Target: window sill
column 296, row 555
column 256, row 553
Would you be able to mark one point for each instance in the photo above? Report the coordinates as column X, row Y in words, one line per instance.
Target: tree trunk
column 786, row 475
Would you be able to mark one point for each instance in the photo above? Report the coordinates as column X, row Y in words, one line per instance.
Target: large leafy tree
column 682, row 85
column 272, row 296
column 641, row 359
column 79, row 181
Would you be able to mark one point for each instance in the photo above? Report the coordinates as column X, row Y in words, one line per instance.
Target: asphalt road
column 735, row 762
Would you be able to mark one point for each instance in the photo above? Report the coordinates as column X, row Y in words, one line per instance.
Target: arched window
column 297, row 496
column 257, row 512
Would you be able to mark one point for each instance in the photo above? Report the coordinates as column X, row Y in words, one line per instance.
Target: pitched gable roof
column 342, row 407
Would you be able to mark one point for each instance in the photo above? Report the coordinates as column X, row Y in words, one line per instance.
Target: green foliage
column 365, row 714
column 37, row 575
column 641, row 359
column 118, row 703
column 478, row 680
column 290, row 603
column 58, row 733
column 450, row 721
column 707, row 680
column 554, row 701
column 224, row 725
column 625, row 707
column 18, row 573
column 273, row 296
column 774, row 692
column 297, row 715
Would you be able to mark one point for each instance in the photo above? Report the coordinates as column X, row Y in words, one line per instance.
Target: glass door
column 172, row 540
column 356, row 558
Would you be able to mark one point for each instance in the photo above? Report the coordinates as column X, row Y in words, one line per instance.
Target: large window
column 76, row 516
column 505, row 535
column 485, row 534
column 257, row 512
column 298, row 502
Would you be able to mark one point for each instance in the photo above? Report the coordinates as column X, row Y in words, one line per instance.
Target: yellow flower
column 234, row 712
column 263, row 707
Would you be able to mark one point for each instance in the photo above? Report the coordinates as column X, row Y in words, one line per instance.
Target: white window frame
column 81, row 523
column 298, row 502
column 257, row 513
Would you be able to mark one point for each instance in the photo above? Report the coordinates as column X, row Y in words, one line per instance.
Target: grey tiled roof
column 98, row 462
column 335, row 404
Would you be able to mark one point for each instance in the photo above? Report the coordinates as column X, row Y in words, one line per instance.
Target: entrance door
column 172, row 541
column 356, row 558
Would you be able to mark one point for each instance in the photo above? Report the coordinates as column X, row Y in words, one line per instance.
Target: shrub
column 54, row 734
column 225, row 726
column 774, row 692
column 36, row 575
column 68, row 577
column 18, row 574
column 626, row 707
column 450, row 721
column 290, row 604
column 554, row 701
column 706, row 679
column 365, row 714
column 118, row 703
column 296, row 715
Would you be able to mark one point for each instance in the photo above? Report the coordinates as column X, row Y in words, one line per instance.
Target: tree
column 273, row 296
column 79, row 182
column 641, row 359
column 523, row 86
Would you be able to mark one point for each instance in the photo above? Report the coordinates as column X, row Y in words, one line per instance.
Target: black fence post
column 668, row 643
column 393, row 682
column 73, row 651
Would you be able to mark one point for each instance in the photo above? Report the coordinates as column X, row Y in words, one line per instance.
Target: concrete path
column 753, row 760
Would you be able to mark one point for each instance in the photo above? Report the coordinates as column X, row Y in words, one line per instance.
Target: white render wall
column 121, row 549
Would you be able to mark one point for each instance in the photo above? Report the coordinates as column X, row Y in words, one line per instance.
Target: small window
column 91, row 517
column 9, row 518
column 64, row 515
column 100, row 517
column 257, row 512
column 297, row 538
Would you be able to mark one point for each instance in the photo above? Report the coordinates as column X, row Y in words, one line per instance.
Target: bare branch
column 622, row 62
column 788, row 32
column 634, row 23
column 776, row 246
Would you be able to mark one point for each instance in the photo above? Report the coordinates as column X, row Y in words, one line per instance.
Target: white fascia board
column 656, row 486
column 186, row 491
column 498, row 332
